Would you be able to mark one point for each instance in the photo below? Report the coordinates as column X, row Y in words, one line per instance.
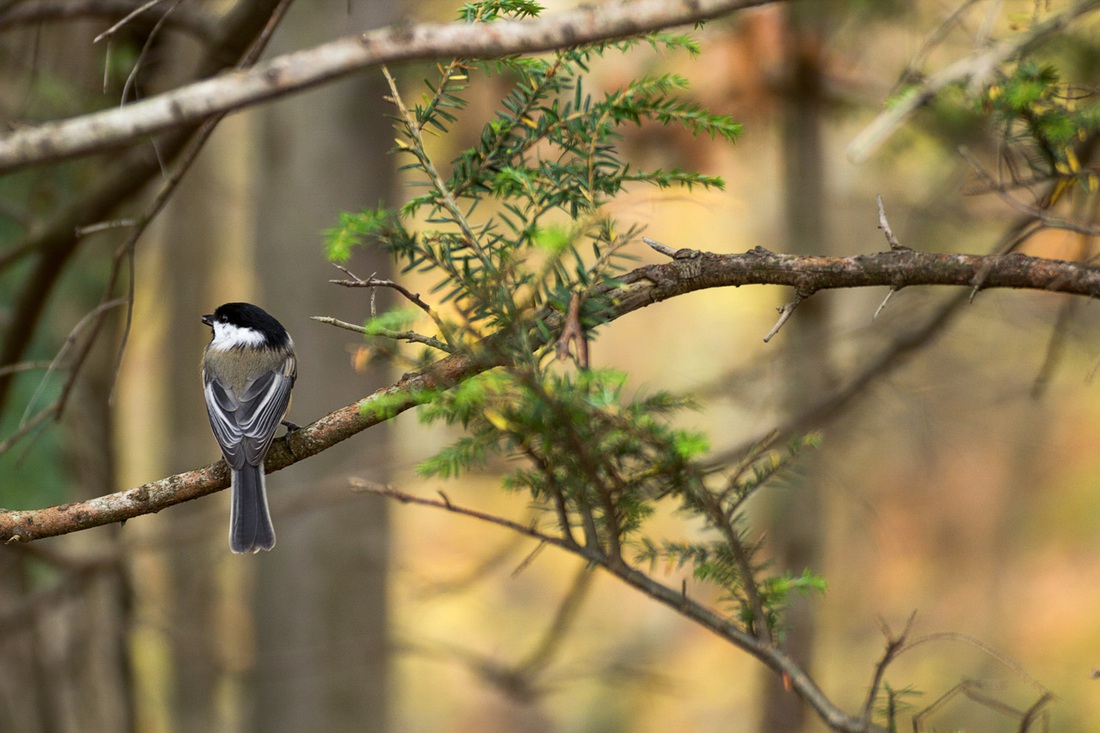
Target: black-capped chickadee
column 248, row 370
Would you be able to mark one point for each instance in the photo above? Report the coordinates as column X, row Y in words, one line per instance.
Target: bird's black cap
column 246, row 315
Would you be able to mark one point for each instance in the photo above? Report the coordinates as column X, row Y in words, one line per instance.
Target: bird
column 248, row 370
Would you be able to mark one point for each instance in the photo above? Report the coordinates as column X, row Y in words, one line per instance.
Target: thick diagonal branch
column 300, row 70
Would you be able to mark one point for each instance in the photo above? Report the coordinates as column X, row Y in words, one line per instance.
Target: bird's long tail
column 250, row 527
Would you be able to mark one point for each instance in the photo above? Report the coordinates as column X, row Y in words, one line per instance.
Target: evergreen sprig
column 732, row 560
column 1044, row 120
column 516, row 233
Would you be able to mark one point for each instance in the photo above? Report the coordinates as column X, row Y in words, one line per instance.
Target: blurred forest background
column 959, row 481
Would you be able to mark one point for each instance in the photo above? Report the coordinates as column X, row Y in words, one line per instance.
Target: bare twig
column 959, row 637
column 126, row 19
column 894, row 645
column 330, row 321
column 25, row 366
column 572, row 334
column 882, row 305
column 934, row 38
column 785, row 313
column 198, row 24
column 374, row 282
column 131, row 78
column 662, row 248
column 410, row 336
column 69, row 342
column 83, row 231
column 884, row 225
column 414, row 298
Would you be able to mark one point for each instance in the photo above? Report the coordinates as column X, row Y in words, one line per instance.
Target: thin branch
column 91, row 316
column 572, row 334
column 414, row 298
column 662, row 248
column 127, row 18
column 785, row 313
column 374, row 282
column 25, row 366
column 882, row 305
column 894, row 646
column 772, row 656
column 300, row 70
column 131, row 78
column 975, row 69
column 884, row 225
column 410, row 336
column 961, row 638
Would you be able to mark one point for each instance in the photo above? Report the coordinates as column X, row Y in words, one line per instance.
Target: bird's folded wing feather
column 245, row 424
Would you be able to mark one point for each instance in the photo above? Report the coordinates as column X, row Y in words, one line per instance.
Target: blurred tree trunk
column 796, row 524
column 321, row 596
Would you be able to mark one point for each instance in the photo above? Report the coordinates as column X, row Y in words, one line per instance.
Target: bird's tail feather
column 250, row 527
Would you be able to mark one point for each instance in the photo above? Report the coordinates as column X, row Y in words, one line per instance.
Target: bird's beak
column 208, row 320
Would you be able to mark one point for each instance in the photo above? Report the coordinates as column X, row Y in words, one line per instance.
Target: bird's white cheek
column 228, row 336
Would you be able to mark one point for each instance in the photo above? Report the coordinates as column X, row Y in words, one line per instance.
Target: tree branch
column 771, row 655
column 976, row 69
column 300, row 70
column 689, row 272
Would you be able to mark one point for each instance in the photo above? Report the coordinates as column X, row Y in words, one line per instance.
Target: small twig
column 662, row 248
column 894, row 644
column 572, row 333
column 1032, row 712
column 784, row 315
column 884, row 225
column 979, row 279
column 526, row 561
column 105, row 225
column 410, row 336
column 981, row 646
column 26, row 426
column 330, row 321
column 25, row 366
column 130, row 16
column 373, row 282
column 889, row 294
column 414, row 298
column 131, row 78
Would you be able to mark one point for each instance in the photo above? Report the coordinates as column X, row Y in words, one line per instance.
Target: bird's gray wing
column 244, row 425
